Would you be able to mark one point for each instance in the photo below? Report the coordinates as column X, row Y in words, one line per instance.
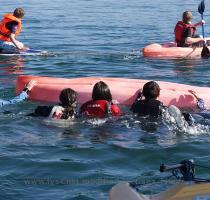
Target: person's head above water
column 68, row 97
column 19, row 13
column 68, row 100
column 187, row 17
column 151, row 90
column 101, row 91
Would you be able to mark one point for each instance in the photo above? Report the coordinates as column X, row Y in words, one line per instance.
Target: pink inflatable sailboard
column 123, row 90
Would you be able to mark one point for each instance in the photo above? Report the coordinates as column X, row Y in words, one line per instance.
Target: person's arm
column 41, row 111
column 189, row 39
column 12, row 27
column 138, row 98
column 15, row 42
column 200, row 23
column 18, row 44
column 22, row 96
column 200, row 102
column 115, row 110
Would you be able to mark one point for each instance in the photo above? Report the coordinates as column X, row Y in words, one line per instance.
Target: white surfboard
column 29, row 52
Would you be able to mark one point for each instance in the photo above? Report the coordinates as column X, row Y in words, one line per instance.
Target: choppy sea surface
column 86, row 158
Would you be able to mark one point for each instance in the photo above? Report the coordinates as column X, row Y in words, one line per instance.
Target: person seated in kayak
column 150, row 105
column 21, row 97
column 101, row 104
column 65, row 110
column 185, row 31
column 10, row 27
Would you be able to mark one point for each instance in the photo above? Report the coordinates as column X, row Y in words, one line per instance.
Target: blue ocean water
column 94, row 38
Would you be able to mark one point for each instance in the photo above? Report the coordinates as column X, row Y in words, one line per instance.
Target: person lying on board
column 21, row 97
column 65, row 110
column 10, row 27
column 101, row 104
column 185, row 31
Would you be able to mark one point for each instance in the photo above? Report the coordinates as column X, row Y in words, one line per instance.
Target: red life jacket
column 179, row 30
column 99, row 108
column 4, row 32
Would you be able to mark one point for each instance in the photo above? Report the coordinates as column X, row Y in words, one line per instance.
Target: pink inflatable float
column 170, row 50
column 123, row 90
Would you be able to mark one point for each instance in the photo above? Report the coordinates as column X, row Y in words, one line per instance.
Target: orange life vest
column 4, row 32
column 179, row 30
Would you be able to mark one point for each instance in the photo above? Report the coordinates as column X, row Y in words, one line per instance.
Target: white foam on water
column 96, row 121
column 62, row 123
column 174, row 120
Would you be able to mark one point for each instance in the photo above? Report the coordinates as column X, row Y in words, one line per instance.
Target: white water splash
column 176, row 123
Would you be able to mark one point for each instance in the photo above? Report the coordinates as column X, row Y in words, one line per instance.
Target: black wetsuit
column 42, row 111
column 45, row 111
column 147, row 107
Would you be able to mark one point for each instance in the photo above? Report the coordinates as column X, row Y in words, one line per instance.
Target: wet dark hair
column 101, row 91
column 19, row 13
column 68, row 97
column 151, row 90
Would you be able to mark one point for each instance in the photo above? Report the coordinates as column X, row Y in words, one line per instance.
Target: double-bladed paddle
column 205, row 53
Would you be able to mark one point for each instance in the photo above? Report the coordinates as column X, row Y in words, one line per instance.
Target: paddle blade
column 205, row 52
column 201, row 7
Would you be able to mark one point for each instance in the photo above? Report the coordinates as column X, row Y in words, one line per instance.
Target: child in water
column 65, row 110
column 101, row 104
column 150, row 105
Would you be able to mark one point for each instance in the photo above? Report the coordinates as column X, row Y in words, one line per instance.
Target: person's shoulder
column 152, row 102
column 12, row 23
column 137, row 105
column 138, row 102
column 115, row 106
column 115, row 109
column 12, row 26
column 158, row 102
column 43, row 110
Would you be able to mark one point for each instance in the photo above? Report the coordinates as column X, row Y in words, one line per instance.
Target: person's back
column 101, row 104
column 99, row 108
column 149, row 106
